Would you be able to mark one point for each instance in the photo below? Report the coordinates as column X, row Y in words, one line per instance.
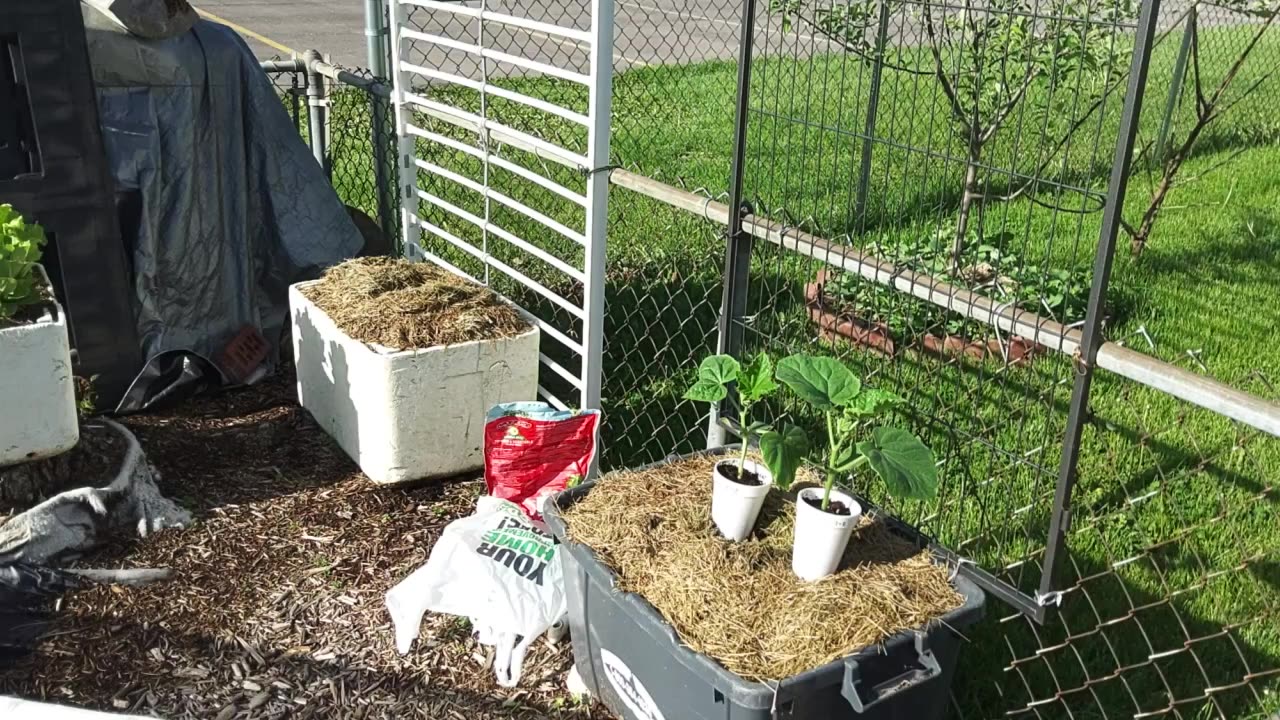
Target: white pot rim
column 758, row 468
column 855, row 507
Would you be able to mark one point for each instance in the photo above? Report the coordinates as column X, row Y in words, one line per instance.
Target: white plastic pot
column 412, row 414
column 734, row 506
column 821, row 537
column 36, row 386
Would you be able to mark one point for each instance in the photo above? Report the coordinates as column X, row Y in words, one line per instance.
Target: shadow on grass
column 1116, row 649
column 1232, row 258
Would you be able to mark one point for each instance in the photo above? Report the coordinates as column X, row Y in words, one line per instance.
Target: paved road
column 648, row 31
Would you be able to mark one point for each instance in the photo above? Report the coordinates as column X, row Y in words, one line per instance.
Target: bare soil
column 93, row 462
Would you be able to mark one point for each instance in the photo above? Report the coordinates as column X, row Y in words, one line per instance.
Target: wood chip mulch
column 276, row 609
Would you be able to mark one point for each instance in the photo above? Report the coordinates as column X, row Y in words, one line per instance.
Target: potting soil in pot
column 739, row 602
column 406, row 305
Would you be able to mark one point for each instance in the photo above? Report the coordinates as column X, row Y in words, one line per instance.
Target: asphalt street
column 648, row 32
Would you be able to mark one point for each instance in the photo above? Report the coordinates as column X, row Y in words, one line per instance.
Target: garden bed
column 276, row 609
column 740, row 603
column 839, row 320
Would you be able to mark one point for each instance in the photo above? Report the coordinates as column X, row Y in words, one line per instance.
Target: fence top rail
column 1205, row 392
column 336, row 73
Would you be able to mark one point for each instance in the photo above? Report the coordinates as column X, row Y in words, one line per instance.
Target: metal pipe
column 346, row 77
column 600, row 104
column 873, row 109
column 1175, row 86
column 316, row 121
column 1196, row 389
column 283, row 66
column 1091, row 334
column 374, row 30
column 737, row 256
column 376, row 56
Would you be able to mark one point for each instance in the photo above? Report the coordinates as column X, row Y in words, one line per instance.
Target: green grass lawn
column 1174, row 565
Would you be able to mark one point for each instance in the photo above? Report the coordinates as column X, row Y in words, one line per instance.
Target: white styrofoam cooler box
column 37, row 387
column 411, row 414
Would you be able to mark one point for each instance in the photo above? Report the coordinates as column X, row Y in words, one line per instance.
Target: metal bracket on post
column 1091, row 332
column 317, row 121
column 737, row 256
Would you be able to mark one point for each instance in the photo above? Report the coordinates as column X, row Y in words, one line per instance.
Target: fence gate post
column 316, row 120
column 873, row 108
column 737, row 256
column 1091, row 333
column 1175, row 86
column 376, row 55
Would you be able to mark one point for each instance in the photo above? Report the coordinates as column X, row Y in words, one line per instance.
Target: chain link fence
column 358, row 137
column 1165, row 601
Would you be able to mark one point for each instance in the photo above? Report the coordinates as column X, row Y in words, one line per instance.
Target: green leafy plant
column 900, row 459
column 986, row 268
column 754, row 382
column 996, row 64
column 20, row 247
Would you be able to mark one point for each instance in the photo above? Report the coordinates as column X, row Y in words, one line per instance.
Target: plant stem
column 833, row 453
column 746, row 438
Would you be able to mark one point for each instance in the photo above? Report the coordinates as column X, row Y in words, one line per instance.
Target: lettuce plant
column 900, row 459
column 20, row 247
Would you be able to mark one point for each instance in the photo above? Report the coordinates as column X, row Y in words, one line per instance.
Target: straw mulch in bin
column 739, row 602
column 407, row 306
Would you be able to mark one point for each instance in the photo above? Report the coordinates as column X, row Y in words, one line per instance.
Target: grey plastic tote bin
column 632, row 661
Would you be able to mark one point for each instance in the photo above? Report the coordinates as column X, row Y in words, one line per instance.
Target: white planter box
column 36, row 387
column 407, row 415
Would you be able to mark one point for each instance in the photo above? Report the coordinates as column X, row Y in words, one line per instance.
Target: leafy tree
column 989, row 60
column 1212, row 101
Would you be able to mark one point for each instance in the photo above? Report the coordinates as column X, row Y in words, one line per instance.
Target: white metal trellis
column 412, row 83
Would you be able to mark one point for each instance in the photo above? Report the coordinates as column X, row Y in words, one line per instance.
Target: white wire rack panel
column 478, row 86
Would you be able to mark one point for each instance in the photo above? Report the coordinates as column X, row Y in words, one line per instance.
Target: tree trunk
column 1138, row 242
column 967, row 199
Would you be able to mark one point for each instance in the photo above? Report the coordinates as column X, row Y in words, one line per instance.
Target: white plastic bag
column 495, row 568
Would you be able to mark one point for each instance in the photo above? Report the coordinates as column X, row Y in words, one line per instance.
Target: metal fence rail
column 1140, row 572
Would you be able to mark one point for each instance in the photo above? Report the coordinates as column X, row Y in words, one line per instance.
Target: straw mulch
column 740, row 602
column 406, row 305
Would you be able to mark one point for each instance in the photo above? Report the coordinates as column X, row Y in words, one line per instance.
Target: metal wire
column 1166, row 603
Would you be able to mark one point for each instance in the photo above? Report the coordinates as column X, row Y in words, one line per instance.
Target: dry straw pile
column 740, row 602
column 406, row 305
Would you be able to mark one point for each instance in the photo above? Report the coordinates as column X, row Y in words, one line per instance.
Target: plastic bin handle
column 928, row 670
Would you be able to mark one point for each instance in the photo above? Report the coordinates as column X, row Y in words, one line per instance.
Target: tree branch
column 957, row 109
column 1003, row 112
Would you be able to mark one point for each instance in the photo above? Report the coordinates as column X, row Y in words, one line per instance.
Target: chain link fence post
column 317, row 124
column 737, row 256
column 1092, row 337
column 1175, row 86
